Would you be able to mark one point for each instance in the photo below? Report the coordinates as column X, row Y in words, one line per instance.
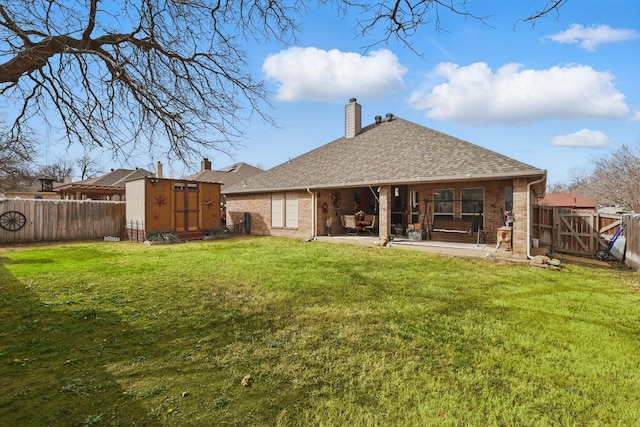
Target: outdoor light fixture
column 397, row 192
column 154, row 181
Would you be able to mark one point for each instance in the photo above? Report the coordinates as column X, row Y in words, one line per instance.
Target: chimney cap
column 352, row 100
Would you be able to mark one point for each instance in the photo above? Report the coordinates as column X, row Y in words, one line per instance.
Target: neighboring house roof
column 228, row 176
column 568, row 200
column 33, row 186
column 113, row 180
column 613, row 210
column 393, row 151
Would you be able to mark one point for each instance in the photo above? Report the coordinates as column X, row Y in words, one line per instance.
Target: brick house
column 405, row 175
column 229, row 175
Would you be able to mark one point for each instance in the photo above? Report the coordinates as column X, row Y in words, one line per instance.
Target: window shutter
column 291, row 215
column 277, row 210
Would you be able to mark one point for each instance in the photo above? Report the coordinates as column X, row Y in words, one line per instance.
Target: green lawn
column 126, row 334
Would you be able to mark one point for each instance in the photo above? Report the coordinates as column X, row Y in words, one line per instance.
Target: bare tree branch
column 552, row 5
column 164, row 72
column 614, row 179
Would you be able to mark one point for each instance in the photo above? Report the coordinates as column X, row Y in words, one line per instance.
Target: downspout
column 529, row 212
column 313, row 214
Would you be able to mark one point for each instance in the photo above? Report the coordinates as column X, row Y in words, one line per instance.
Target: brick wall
column 328, row 221
column 259, row 207
column 494, row 199
column 520, row 215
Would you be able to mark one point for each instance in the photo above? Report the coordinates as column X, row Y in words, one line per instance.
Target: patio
column 481, row 250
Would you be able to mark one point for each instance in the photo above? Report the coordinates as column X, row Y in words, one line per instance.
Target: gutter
column 378, row 183
column 529, row 211
column 314, row 224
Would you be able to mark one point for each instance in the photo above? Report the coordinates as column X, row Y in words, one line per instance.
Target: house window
column 473, row 206
column 284, row 210
column 443, row 204
column 508, row 199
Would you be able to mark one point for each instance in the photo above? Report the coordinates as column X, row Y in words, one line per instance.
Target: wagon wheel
column 12, row 221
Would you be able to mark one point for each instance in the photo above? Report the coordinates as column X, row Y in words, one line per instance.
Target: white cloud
column 582, row 138
column 316, row 74
column 589, row 38
column 475, row 94
column 636, row 116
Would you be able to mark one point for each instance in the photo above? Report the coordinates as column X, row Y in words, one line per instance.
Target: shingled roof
column 568, row 200
column 393, row 151
column 112, row 180
column 228, row 176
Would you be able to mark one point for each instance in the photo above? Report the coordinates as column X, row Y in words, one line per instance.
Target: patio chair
column 349, row 223
column 371, row 219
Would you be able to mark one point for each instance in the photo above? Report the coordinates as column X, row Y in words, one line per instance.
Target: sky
column 556, row 95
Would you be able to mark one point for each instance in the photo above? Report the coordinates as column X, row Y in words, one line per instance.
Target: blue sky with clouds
column 554, row 95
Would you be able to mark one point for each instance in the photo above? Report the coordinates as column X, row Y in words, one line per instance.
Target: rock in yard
column 539, row 261
column 246, row 381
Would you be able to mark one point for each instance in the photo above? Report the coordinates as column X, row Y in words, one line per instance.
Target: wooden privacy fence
column 31, row 220
column 573, row 232
column 632, row 236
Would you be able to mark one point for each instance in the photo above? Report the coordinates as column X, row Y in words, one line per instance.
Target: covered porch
column 447, row 212
column 480, row 212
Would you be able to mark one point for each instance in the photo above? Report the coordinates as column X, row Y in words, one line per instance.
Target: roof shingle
column 394, row 151
column 228, row 176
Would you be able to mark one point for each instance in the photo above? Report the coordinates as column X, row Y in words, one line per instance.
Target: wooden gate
column 573, row 232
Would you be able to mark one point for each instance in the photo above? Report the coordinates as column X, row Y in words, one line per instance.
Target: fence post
column 632, row 236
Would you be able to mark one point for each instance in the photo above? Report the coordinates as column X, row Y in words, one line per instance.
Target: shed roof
column 568, row 200
column 394, row 151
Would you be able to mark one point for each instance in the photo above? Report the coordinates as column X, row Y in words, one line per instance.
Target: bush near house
column 268, row 331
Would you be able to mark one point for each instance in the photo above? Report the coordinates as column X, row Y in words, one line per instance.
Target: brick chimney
column 352, row 119
column 206, row 164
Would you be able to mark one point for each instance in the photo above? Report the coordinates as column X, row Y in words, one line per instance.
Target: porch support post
column 384, row 214
column 520, row 216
